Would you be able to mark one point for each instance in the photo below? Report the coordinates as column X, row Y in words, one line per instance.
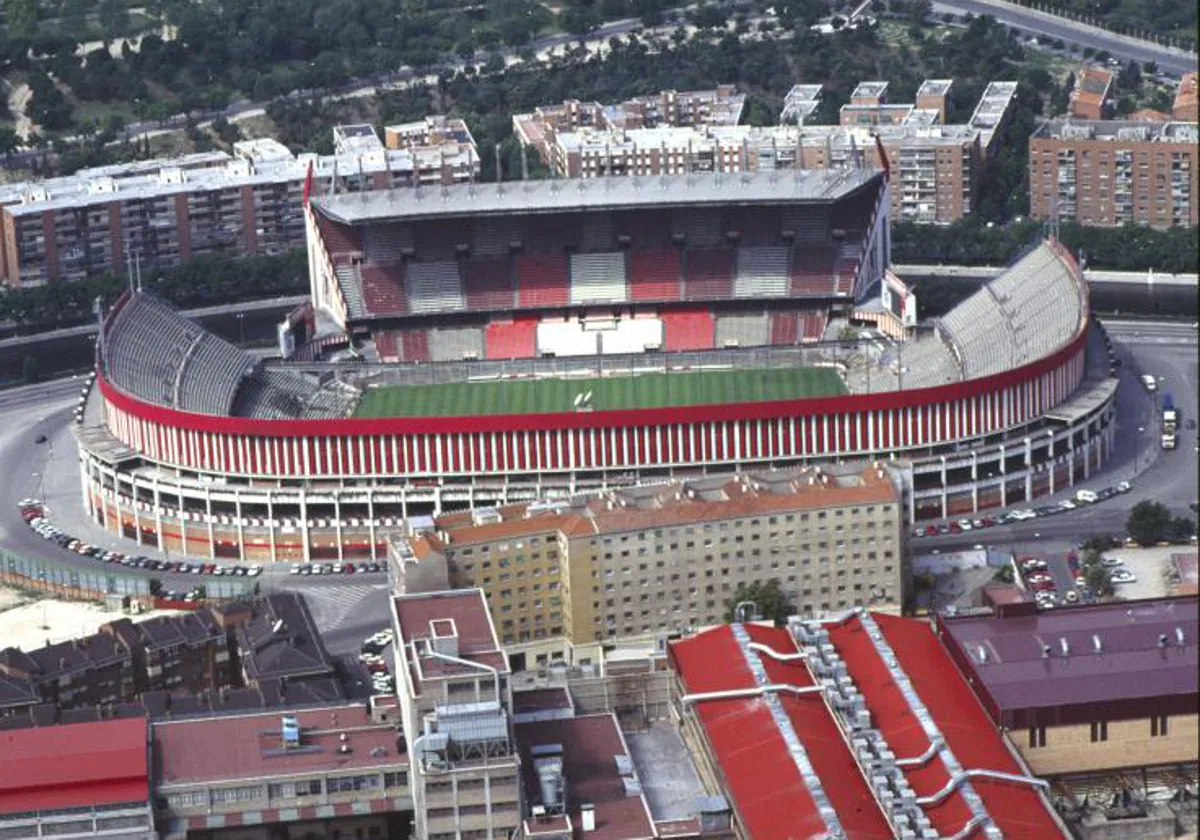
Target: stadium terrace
column 497, row 344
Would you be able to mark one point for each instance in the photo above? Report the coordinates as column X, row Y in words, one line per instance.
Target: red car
column 931, row 531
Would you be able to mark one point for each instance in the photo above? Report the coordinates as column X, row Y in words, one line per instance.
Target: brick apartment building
column 1088, row 689
column 936, row 167
column 268, row 648
column 563, row 578
column 1091, row 98
column 1111, row 173
column 167, row 210
column 1184, row 109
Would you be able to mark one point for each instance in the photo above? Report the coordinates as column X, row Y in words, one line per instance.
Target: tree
column 9, row 141
column 1097, row 578
column 21, row 16
column 1149, row 522
column 767, row 596
column 1182, row 528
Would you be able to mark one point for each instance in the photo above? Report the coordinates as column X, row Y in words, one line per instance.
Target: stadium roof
column 1100, row 653
column 75, row 765
column 583, row 194
column 809, row 789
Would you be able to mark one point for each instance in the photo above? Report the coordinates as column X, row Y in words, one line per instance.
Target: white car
column 295, row 570
column 1067, row 505
column 965, row 524
column 1123, row 487
column 1123, row 577
column 1111, row 562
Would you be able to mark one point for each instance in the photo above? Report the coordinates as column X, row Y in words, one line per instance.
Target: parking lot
column 376, row 658
column 334, row 568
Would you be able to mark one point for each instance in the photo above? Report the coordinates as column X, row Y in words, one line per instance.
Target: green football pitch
column 648, row 390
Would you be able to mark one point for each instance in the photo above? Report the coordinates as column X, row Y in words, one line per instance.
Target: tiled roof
column 282, row 641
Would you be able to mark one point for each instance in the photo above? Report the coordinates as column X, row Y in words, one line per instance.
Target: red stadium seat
column 688, row 330
column 416, row 345
column 785, row 327
column 709, row 274
column 654, row 275
column 542, row 281
column 341, row 241
column 812, row 270
column 385, row 346
column 812, row 326
column 488, row 285
column 383, row 290
column 516, row 339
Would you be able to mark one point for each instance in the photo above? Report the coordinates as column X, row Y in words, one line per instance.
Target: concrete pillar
column 371, row 522
column 337, row 523
column 241, row 532
column 1028, row 469
column 271, row 527
column 212, row 540
column 158, row 523
column 304, row 526
column 943, row 474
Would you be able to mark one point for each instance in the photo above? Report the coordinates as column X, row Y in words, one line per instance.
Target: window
column 1037, row 736
column 1099, row 731
column 1158, row 726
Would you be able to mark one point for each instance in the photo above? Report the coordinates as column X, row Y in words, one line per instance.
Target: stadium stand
column 761, row 272
column 812, row 326
column 385, row 244
column 785, row 327
column 353, row 292
column 654, row 275
column 541, row 280
column 743, row 330
column 807, row 224
column 688, row 330
column 567, row 337
column 415, row 345
column 515, row 339
column 434, row 287
column 439, row 241
column 273, row 394
column 488, row 284
column 209, row 377
column 456, row 344
column 148, row 348
column 708, row 274
column 597, row 232
column 701, row 228
column 382, row 290
column 755, row 226
column 385, row 346
column 492, row 237
column 812, row 270
column 845, row 267
column 342, row 242
column 632, row 335
column 1040, row 297
column 553, row 234
column 598, row 278
column 645, row 231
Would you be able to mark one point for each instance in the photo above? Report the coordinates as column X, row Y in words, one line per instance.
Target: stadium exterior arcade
column 191, row 445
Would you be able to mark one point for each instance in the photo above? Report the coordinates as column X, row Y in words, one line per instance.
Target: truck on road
column 1170, row 422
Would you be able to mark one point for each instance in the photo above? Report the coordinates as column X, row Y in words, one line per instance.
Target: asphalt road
column 1043, row 25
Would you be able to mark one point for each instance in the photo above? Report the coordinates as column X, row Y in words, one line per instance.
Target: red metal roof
column 1018, row 810
column 771, row 797
column 74, row 766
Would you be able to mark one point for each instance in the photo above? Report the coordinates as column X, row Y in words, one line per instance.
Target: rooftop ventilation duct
column 1179, row 637
column 1097, row 645
column 1066, row 647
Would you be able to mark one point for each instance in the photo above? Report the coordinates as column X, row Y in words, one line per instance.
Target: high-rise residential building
column 1090, row 100
column 935, row 166
column 1112, row 173
column 163, row 212
column 566, row 577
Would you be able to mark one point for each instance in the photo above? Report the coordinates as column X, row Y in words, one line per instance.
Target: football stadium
column 482, row 344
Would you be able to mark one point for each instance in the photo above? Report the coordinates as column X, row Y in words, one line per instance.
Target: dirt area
column 28, row 624
column 1153, row 568
column 18, row 96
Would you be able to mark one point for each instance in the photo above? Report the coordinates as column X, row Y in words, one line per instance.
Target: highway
column 1048, row 26
column 1099, row 277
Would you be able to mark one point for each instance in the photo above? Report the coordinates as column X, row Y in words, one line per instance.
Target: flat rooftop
column 1113, row 652
column 229, row 748
column 75, row 765
column 548, row 396
column 590, row 746
column 669, row 779
column 424, row 616
column 584, row 194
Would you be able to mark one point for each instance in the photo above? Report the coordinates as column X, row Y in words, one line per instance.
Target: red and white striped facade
column 456, row 448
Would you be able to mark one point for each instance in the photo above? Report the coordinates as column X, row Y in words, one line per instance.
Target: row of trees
column 973, row 241
column 203, row 281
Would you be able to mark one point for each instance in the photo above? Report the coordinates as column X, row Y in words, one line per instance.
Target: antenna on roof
column 129, row 261
column 362, row 179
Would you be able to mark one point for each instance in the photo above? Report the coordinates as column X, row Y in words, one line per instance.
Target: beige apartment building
column 1113, row 173
column 936, row 167
column 165, row 211
column 640, row 562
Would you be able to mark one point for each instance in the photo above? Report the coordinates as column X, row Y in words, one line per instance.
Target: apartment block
column 669, row 108
column 450, row 134
column 279, row 644
column 1112, row 173
column 1090, row 98
column 936, row 167
column 91, row 671
column 1093, row 689
column 186, row 653
column 166, row 211
column 455, row 704
column 1184, row 108
column 663, row 559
